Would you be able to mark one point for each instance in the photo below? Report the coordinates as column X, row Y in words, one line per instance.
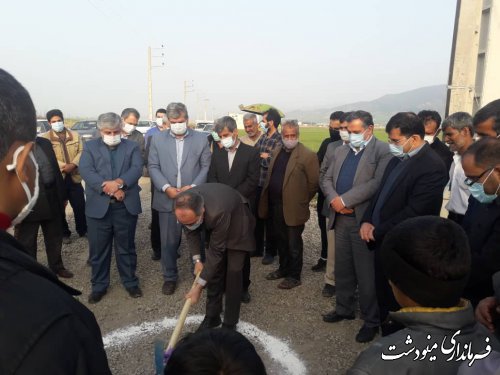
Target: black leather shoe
column 275, row 275
column 134, row 292
column 229, row 326
column 320, row 266
column 366, row 334
column 245, row 297
column 267, row 259
column 168, row 287
column 210, row 322
column 333, row 317
column 156, row 256
column 328, row 291
column 96, row 296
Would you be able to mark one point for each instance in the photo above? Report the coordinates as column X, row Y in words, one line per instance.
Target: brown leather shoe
column 168, row 287
column 289, row 283
column 64, row 273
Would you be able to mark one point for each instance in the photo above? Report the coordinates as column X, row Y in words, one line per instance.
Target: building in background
column 474, row 78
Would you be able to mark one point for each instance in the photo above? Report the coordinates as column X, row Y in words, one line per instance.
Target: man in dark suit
column 481, row 163
column 412, row 185
column 487, row 121
column 48, row 211
column 226, row 216
column 111, row 168
column 349, row 184
column 334, row 127
column 130, row 117
column 236, row 165
column 291, row 183
column 432, row 125
column 44, row 330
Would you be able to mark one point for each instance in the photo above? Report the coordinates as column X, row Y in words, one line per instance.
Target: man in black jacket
column 48, row 210
column 432, row 124
column 481, row 163
column 412, row 185
column 44, row 330
column 236, row 165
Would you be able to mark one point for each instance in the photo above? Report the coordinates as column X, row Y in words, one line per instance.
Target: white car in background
column 42, row 126
column 144, row 126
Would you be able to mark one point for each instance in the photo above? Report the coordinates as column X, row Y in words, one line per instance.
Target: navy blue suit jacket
column 95, row 168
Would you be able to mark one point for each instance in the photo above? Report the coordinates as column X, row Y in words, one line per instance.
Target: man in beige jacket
column 68, row 148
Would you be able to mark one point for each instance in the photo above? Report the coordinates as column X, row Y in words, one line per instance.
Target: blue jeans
column 117, row 226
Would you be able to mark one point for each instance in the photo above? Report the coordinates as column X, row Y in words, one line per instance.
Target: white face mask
column 344, row 135
column 31, row 198
column 178, row 128
column 112, row 140
column 159, row 121
column 290, row 144
column 57, row 126
column 429, row 139
column 227, row 142
column 128, row 128
column 195, row 225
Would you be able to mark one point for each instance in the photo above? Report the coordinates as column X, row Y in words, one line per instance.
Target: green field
column 312, row 137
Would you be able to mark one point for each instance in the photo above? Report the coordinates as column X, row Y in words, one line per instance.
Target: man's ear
column 22, row 162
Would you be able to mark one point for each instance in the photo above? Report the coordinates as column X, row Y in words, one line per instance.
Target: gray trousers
column 170, row 235
column 354, row 266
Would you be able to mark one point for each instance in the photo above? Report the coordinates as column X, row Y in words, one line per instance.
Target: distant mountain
column 430, row 97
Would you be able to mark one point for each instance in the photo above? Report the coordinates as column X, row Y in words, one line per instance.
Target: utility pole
column 205, row 101
column 188, row 87
column 150, row 79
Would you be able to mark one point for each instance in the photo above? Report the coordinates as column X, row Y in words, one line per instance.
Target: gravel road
column 285, row 325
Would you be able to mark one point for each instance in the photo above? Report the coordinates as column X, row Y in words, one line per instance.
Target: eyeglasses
column 390, row 141
column 469, row 181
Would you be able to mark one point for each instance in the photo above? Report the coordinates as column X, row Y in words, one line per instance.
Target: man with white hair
column 178, row 160
column 291, row 183
column 251, row 125
column 111, row 167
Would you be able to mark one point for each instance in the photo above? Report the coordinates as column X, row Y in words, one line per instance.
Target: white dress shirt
column 459, row 193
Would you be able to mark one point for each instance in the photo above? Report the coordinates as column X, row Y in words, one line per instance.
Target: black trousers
column 290, row 245
column 76, row 198
column 385, row 298
column 264, row 232
column 27, row 234
column 155, row 227
column 227, row 280
column 457, row 218
column 322, row 226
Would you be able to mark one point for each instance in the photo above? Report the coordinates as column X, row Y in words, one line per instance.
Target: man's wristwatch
column 120, row 186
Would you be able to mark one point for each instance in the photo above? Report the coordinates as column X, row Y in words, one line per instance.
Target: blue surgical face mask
column 397, row 150
column 477, row 191
column 263, row 127
column 357, row 140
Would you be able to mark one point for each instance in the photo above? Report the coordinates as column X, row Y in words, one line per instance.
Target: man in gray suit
column 329, row 287
column 111, row 168
column 349, row 183
column 178, row 160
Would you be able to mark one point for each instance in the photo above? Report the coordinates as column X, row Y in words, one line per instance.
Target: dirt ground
column 285, row 325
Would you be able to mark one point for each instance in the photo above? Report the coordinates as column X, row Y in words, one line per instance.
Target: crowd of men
column 383, row 243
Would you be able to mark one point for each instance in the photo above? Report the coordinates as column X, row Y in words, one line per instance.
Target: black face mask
column 334, row 134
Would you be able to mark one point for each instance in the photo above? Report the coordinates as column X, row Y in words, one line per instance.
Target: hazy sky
column 90, row 56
